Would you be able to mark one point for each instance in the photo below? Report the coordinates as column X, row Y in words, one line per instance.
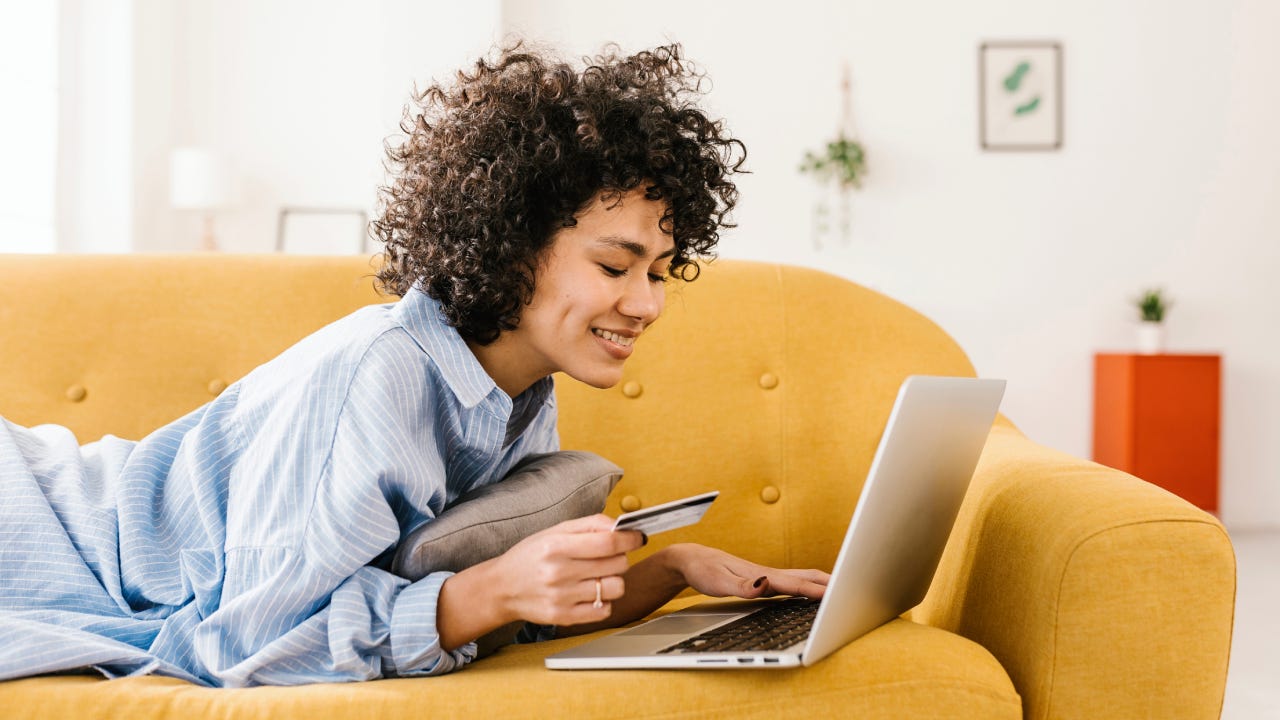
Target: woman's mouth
column 618, row 346
column 613, row 337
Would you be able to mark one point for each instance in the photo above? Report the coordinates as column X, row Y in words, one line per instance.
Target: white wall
column 153, row 63
column 1169, row 175
column 95, row 189
column 29, row 141
column 298, row 95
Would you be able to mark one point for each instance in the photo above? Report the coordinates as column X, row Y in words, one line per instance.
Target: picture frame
column 1020, row 95
column 322, row 231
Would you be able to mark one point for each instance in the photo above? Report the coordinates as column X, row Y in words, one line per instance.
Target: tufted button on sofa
column 1067, row 590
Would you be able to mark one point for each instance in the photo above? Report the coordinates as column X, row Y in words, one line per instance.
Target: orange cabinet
column 1159, row 417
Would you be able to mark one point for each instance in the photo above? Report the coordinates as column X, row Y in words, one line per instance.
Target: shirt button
column 630, row 503
column 768, row 381
column 632, row 389
column 770, row 494
column 76, row 393
column 216, row 387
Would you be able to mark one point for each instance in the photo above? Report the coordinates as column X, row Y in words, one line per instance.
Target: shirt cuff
column 415, row 642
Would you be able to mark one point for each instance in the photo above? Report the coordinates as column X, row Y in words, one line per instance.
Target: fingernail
column 644, row 538
column 760, row 581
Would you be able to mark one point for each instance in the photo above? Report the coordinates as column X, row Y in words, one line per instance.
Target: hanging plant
column 843, row 160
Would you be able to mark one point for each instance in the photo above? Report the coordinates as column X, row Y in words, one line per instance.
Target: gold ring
column 599, row 603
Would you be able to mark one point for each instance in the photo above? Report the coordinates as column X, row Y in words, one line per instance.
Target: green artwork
column 1013, row 81
column 1027, row 107
column 1020, row 95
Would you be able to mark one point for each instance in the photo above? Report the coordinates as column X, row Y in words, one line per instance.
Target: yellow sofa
column 1068, row 590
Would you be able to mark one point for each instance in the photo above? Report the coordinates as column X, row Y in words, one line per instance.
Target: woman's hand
column 719, row 574
column 550, row 578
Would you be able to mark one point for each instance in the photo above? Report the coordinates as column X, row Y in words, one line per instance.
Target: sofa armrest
column 1102, row 595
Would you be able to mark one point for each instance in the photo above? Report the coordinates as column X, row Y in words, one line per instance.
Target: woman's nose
column 642, row 299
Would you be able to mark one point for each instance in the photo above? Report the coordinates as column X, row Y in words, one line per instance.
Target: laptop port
column 744, row 661
column 771, row 660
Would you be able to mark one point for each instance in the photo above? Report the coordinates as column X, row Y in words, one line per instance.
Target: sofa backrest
column 123, row 344
column 769, row 383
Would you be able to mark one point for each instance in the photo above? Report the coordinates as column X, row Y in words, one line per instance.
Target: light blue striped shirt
column 248, row 542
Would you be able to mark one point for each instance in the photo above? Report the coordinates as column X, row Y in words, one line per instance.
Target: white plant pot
column 1151, row 338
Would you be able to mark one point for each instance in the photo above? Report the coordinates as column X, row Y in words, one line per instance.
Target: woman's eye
column 613, row 271
column 657, row 278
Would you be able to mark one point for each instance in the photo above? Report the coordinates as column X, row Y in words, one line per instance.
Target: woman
column 534, row 215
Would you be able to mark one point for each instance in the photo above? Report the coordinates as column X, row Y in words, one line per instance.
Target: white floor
column 1253, row 681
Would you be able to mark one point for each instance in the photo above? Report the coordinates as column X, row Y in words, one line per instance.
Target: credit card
column 667, row 516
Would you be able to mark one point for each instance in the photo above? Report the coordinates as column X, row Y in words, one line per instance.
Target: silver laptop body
column 909, row 502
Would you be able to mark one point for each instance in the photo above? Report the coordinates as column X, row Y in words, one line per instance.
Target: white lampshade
column 198, row 179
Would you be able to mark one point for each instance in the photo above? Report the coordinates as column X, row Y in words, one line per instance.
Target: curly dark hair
column 495, row 163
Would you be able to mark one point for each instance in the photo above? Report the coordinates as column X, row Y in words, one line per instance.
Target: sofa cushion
column 901, row 670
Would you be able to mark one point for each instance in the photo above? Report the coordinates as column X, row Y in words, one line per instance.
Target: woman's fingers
column 585, row 546
column 815, row 576
column 790, row 582
column 558, row 569
column 589, row 602
column 569, row 574
column 717, row 573
column 579, row 569
column 591, row 523
column 612, row 587
column 583, row 540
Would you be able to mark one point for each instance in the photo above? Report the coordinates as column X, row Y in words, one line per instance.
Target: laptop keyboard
column 774, row 627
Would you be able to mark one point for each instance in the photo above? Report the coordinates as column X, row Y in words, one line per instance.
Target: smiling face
column 598, row 287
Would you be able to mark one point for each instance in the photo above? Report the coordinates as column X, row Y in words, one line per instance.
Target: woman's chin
column 601, row 380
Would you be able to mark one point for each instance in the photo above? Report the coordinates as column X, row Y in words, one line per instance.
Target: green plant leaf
column 844, row 160
column 1152, row 305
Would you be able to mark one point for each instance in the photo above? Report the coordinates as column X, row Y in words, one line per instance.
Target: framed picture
column 1020, row 95
column 322, row 231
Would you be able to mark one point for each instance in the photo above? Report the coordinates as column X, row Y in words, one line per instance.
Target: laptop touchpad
column 678, row 624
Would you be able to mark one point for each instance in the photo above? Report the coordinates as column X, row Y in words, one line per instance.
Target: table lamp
column 199, row 180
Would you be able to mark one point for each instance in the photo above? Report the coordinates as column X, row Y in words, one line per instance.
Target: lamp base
column 208, row 241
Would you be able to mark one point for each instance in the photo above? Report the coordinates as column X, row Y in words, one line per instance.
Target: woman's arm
column 654, row 581
column 549, row 579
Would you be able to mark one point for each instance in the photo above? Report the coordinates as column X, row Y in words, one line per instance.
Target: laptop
column 909, row 503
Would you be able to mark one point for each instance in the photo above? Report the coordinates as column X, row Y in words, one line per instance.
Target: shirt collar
column 421, row 316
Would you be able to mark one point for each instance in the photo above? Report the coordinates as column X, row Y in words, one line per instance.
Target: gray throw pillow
column 539, row 492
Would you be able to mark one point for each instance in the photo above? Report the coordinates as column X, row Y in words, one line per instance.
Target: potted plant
column 1152, row 307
